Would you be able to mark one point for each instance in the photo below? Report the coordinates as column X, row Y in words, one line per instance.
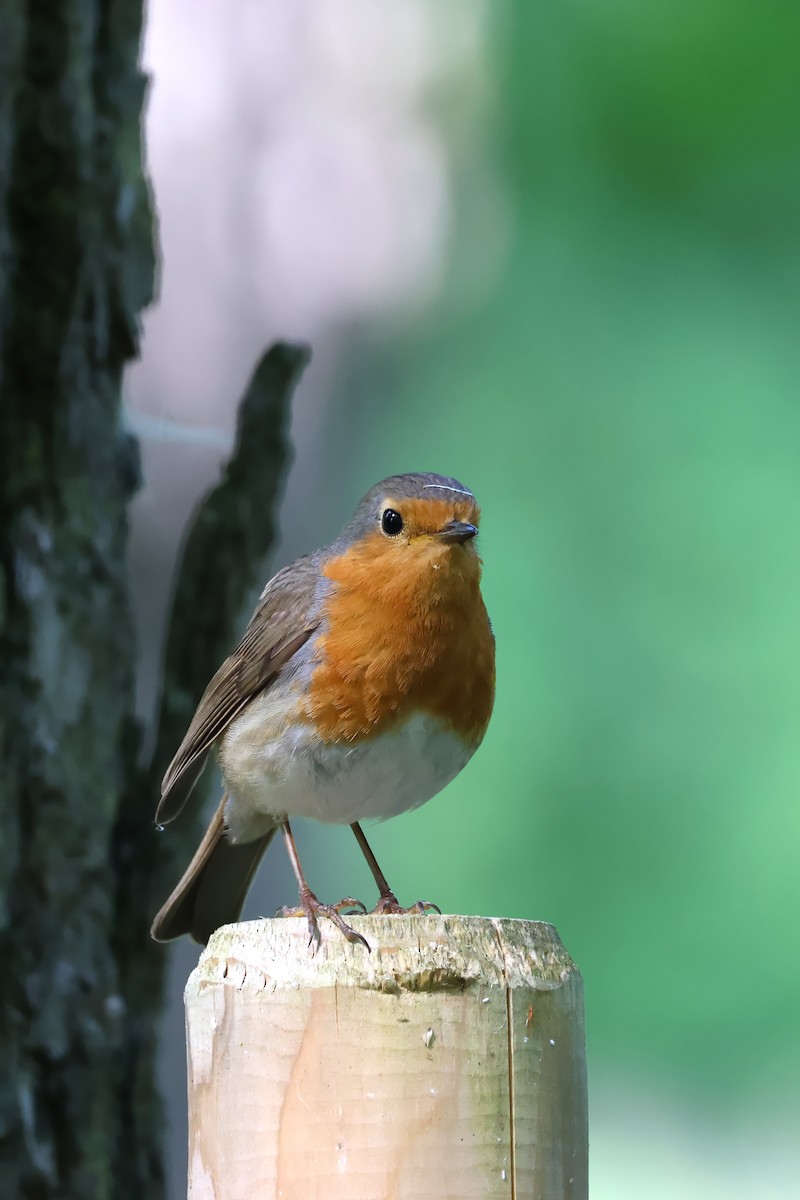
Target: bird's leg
column 387, row 902
column 310, row 906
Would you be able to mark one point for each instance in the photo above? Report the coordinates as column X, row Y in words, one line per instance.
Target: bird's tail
column 214, row 885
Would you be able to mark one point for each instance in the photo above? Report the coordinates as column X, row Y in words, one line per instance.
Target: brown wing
column 278, row 628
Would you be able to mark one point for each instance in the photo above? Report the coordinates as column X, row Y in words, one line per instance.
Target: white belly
column 272, row 770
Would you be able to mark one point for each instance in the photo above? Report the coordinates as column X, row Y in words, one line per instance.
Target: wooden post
column 445, row 1065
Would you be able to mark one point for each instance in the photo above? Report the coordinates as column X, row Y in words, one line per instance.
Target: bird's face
column 415, row 541
column 434, row 522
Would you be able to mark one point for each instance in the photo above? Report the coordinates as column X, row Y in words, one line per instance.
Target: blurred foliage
column 622, row 395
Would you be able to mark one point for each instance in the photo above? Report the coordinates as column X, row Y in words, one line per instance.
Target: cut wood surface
column 447, row 1063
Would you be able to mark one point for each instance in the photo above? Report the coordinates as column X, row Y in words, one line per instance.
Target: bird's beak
column 456, row 531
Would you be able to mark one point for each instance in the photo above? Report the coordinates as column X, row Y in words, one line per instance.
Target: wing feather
column 278, row 628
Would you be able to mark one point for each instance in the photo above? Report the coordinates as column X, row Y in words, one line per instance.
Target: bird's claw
column 390, row 905
column 310, row 907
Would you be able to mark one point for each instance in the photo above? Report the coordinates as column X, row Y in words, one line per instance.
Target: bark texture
column 77, row 267
column 80, row 984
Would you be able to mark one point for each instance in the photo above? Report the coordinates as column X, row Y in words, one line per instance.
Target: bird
column 363, row 684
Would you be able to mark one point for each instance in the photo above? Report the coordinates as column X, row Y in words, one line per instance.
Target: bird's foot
column 389, row 904
column 310, row 907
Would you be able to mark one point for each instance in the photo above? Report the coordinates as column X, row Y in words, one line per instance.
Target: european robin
column 363, row 684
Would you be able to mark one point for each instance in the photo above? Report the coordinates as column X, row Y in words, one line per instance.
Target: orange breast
column 405, row 630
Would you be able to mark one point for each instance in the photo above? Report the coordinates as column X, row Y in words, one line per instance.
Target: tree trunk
column 82, row 869
column 76, row 268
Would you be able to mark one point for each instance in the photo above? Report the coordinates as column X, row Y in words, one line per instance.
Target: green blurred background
column 624, row 401
column 611, row 362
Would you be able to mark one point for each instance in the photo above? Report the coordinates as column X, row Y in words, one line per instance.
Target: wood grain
column 448, row 1063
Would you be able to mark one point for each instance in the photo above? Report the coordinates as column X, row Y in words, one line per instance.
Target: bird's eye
column 391, row 522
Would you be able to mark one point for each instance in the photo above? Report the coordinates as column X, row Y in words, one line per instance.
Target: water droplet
column 159, row 828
